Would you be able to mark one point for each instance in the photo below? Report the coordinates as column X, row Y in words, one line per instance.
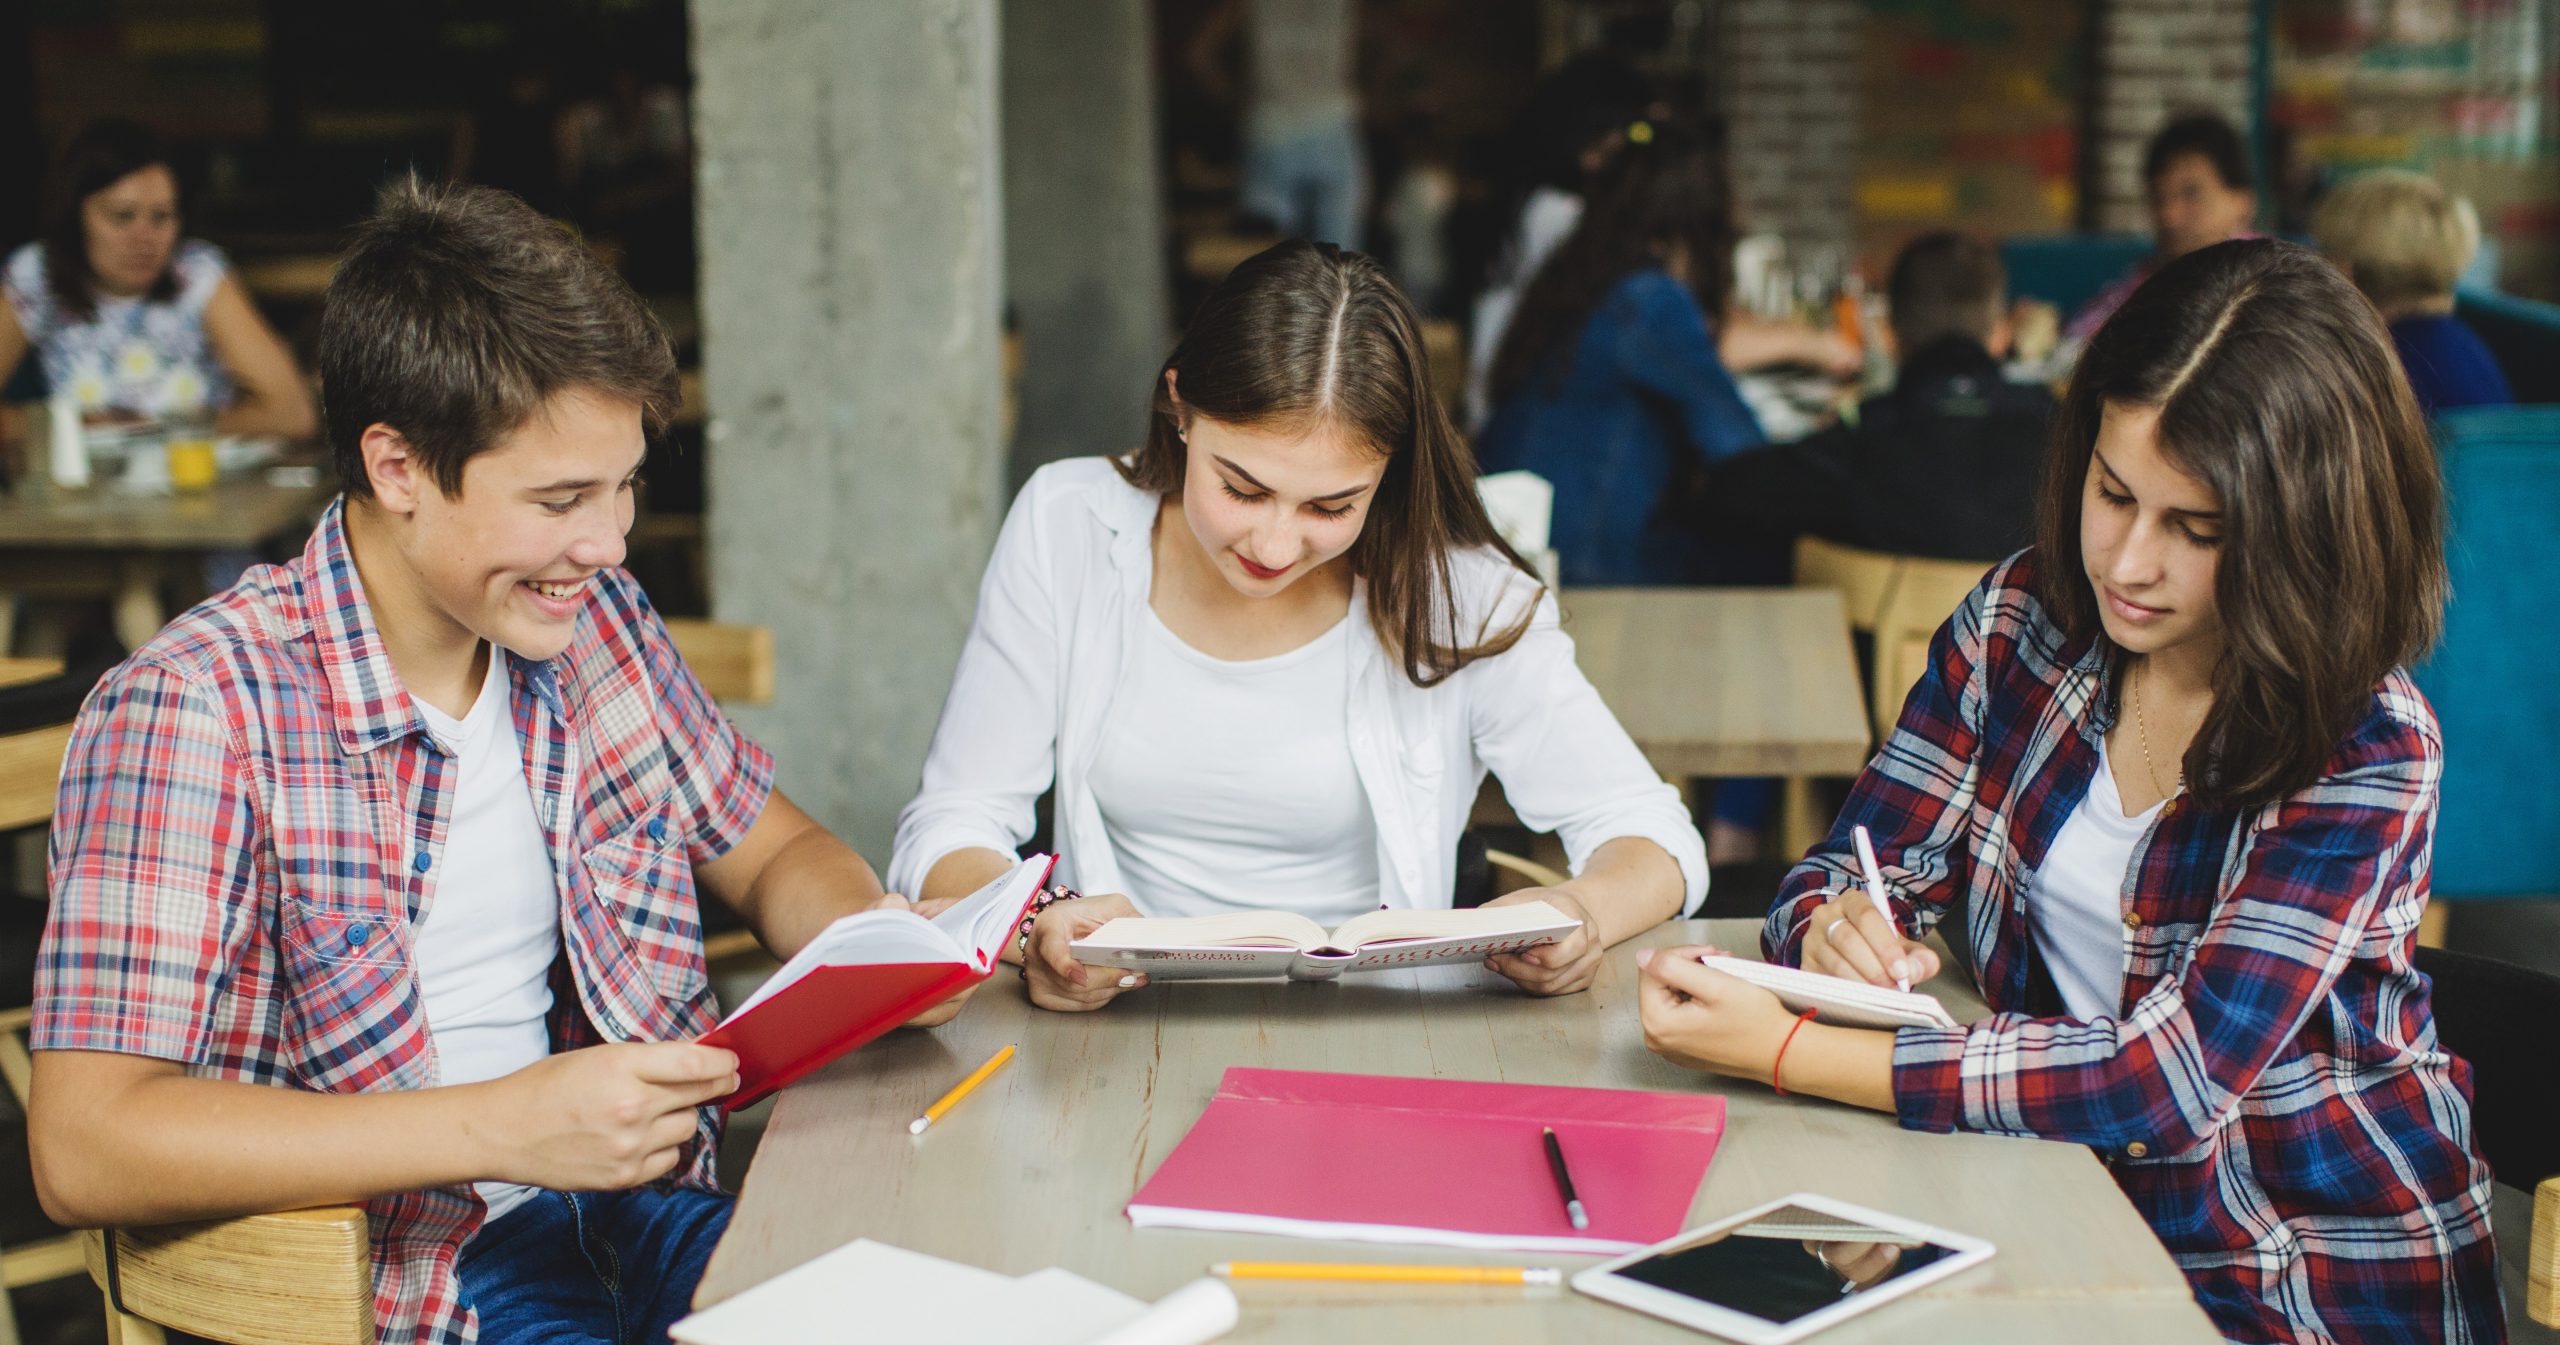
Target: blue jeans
column 591, row 1267
column 1309, row 184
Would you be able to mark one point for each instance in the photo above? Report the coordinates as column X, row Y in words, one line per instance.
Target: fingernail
column 1902, row 971
column 1128, row 981
column 1644, row 957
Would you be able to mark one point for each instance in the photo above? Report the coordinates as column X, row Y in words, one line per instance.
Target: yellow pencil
column 962, row 1089
column 1378, row 1274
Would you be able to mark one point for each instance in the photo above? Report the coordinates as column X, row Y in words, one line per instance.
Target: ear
column 399, row 480
column 1181, row 413
column 2003, row 334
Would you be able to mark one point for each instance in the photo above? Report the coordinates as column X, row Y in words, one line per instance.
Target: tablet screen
column 1786, row 1264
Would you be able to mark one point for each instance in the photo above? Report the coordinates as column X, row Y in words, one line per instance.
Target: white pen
column 1875, row 888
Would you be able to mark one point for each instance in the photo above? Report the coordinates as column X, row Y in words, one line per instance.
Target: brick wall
column 2157, row 59
column 1790, row 83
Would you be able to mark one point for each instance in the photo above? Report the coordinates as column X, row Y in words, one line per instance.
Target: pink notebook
column 1376, row 1158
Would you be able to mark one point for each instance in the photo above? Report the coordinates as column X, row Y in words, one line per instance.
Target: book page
column 1244, row 929
column 1483, row 922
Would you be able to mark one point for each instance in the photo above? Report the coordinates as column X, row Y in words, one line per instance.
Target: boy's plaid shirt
column 251, row 822
column 2271, row 1094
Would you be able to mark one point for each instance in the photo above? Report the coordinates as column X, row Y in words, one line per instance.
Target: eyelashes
column 1240, row 497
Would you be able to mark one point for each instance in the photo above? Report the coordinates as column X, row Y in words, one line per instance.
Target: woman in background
column 129, row 319
column 1609, row 383
column 2403, row 239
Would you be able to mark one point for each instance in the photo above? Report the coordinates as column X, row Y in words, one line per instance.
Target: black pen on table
column 1564, row 1181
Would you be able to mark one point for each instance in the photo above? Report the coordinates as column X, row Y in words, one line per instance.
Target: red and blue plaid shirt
column 2271, row 1094
column 252, row 818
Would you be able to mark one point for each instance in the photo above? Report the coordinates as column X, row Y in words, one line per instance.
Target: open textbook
column 865, row 974
column 1282, row 943
column 1835, row 1000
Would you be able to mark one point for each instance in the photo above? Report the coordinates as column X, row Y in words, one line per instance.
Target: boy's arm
column 127, row 1139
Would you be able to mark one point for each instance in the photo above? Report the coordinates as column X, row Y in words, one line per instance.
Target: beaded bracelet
column 1040, row 901
column 1801, row 1020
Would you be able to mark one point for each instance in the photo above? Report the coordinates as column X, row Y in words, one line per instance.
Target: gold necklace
column 2142, row 731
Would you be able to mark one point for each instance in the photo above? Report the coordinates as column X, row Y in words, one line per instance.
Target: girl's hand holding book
column 1558, row 968
column 1052, row 973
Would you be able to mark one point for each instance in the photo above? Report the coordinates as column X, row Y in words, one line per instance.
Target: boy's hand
column 605, row 1117
column 948, row 1009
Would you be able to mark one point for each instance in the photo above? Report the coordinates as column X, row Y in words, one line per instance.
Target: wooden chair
column 30, row 772
column 1899, row 601
column 303, row 1277
column 734, row 663
column 2489, row 1012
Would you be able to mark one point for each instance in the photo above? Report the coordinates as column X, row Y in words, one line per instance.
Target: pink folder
column 1376, row 1158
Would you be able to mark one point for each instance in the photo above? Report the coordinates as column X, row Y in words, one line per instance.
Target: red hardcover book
column 1376, row 1158
column 865, row 974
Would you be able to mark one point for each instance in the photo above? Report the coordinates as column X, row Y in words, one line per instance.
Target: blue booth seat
column 2524, row 335
column 2495, row 680
column 2068, row 270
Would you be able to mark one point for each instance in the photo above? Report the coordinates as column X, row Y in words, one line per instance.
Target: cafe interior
column 907, row 252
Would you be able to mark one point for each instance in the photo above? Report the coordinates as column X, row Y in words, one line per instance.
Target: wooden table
column 1033, row 1170
column 1726, row 681
column 55, row 541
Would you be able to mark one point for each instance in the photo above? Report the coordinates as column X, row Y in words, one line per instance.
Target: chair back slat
column 303, row 1277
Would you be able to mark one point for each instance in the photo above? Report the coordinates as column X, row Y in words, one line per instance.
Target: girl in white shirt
column 1268, row 659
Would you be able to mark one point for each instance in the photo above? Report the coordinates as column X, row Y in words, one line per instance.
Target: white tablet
column 1783, row 1271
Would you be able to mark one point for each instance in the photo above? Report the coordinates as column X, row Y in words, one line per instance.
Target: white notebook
column 1838, row 1002
column 869, row 1291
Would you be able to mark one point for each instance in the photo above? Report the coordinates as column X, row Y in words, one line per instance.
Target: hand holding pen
column 1854, row 935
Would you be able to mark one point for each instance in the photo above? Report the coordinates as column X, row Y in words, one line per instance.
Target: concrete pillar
column 847, row 181
column 1084, row 223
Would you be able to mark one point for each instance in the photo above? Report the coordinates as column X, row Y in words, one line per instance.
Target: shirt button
column 421, row 860
column 357, row 936
column 2137, row 1149
column 2132, row 920
column 657, row 828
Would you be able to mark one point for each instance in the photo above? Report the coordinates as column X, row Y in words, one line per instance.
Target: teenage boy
column 374, row 878
column 1945, row 464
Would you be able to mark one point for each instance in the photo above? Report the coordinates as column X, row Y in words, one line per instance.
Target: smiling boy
column 374, row 878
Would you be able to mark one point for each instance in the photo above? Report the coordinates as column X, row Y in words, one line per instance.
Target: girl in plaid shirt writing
column 2169, row 790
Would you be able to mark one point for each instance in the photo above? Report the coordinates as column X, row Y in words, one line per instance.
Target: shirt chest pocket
column 346, row 977
column 642, row 877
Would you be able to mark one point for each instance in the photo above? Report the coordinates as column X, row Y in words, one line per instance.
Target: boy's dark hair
column 2208, row 134
column 2277, row 385
column 105, row 152
column 457, row 313
column 1945, row 284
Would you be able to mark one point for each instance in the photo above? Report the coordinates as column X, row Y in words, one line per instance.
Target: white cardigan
column 1064, row 600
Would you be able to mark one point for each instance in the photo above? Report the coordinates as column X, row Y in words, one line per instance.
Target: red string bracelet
column 1801, row 1020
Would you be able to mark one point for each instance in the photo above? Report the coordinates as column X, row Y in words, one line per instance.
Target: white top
column 1228, row 785
column 1060, row 613
column 1547, row 218
column 2075, row 903
column 492, row 930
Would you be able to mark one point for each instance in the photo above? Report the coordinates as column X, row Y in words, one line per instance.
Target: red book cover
column 865, row 974
column 1376, row 1158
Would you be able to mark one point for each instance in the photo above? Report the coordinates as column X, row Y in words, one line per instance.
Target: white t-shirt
column 2075, row 905
column 1229, row 786
column 493, row 921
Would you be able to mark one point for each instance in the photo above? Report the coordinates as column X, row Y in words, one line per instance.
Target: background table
column 1726, row 681
column 1033, row 1169
column 55, row 541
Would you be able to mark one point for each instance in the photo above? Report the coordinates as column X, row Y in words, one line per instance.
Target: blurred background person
column 2404, row 240
column 1304, row 168
column 1608, row 382
column 1945, row 464
column 2201, row 188
column 132, row 320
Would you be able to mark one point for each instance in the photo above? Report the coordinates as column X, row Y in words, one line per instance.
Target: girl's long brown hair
column 2277, row 386
column 1306, row 333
